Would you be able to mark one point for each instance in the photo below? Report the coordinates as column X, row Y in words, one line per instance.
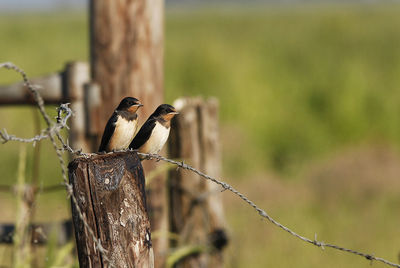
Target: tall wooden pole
column 126, row 52
column 126, row 55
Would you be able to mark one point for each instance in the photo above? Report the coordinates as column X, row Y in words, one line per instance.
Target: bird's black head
column 129, row 104
column 165, row 111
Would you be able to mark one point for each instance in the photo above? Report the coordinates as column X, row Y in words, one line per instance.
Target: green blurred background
column 309, row 105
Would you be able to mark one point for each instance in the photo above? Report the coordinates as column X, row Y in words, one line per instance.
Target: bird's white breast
column 123, row 134
column 157, row 139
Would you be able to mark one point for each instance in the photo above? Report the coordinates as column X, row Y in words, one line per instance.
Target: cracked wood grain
column 110, row 192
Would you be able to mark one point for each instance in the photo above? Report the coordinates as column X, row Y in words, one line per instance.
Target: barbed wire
column 262, row 213
column 54, row 128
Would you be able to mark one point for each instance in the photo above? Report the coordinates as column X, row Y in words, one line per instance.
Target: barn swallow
column 154, row 132
column 121, row 127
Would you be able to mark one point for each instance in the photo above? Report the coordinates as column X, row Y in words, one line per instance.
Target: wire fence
column 54, row 130
column 61, row 146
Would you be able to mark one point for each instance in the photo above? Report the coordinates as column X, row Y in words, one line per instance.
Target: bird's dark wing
column 108, row 132
column 143, row 135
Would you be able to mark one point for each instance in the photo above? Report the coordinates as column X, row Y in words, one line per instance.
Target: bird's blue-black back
column 144, row 133
column 108, row 132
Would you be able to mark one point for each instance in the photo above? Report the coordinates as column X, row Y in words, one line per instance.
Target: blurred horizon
column 11, row 6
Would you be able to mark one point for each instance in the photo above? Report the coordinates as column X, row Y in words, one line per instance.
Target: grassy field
column 309, row 102
column 300, row 82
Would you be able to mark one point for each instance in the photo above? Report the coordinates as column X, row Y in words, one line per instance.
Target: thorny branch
column 54, row 128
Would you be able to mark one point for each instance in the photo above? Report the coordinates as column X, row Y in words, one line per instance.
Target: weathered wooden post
column 126, row 52
column 109, row 190
column 126, row 55
column 196, row 209
column 75, row 76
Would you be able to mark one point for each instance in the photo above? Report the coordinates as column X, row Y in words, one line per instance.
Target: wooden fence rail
column 39, row 232
column 51, row 89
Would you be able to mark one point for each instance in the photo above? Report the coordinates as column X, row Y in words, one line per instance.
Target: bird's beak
column 135, row 107
column 173, row 112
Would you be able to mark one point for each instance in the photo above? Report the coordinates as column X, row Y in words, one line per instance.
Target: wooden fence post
column 92, row 114
column 75, row 76
column 126, row 58
column 109, row 190
column 126, row 52
column 196, row 209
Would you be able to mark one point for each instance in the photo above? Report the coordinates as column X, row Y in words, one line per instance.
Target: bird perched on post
column 155, row 131
column 121, row 126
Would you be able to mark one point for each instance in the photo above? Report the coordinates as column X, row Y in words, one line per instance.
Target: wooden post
column 126, row 54
column 195, row 205
column 76, row 75
column 110, row 193
column 92, row 114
